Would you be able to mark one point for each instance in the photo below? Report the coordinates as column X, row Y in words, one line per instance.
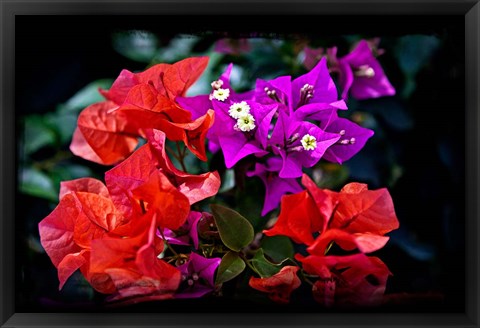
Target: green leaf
column 69, row 171
column 140, row 46
column 36, row 183
column 414, row 52
column 392, row 111
column 86, row 96
column 264, row 267
column 37, row 134
column 77, row 288
column 278, row 248
column 235, row 231
column 228, row 180
column 266, row 59
column 202, row 85
column 247, row 202
column 230, row 267
column 178, row 48
column 63, row 123
column 330, row 175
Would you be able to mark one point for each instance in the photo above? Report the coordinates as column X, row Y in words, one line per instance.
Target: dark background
column 55, row 56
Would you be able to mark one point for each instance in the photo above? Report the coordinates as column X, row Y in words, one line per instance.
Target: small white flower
column 216, row 84
column 245, row 123
column 221, row 94
column 309, row 142
column 239, row 109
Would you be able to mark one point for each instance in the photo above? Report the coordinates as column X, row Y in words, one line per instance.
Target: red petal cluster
column 126, row 259
column 87, row 232
column 354, row 218
column 280, row 285
column 109, row 231
column 146, row 170
column 347, row 281
column 107, row 132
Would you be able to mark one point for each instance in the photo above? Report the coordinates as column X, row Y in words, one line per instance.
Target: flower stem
column 172, row 152
column 50, row 163
column 328, row 247
column 305, row 277
column 250, row 265
column 181, row 156
column 166, row 242
column 308, row 281
column 247, row 262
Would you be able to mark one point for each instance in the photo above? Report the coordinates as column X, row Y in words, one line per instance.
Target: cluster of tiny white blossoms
column 218, row 92
column 241, row 112
column 238, row 110
column 309, row 142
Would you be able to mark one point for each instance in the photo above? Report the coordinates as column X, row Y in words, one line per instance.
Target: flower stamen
column 293, row 149
column 306, row 92
column 293, row 138
column 364, row 71
column 272, row 94
column 350, row 141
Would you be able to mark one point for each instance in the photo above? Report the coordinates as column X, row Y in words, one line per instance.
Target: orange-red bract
column 83, row 184
column 145, row 161
column 279, row 286
column 128, row 175
column 107, row 132
column 323, row 200
column 298, row 218
column 87, row 231
column 80, row 217
column 364, row 242
column 195, row 187
column 347, row 281
column 363, row 210
column 144, row 108
column 355, row 217
column 128, row 256
column 102, row 136
column 159, row 195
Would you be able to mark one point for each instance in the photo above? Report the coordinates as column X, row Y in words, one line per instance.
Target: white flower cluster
column 241, row 112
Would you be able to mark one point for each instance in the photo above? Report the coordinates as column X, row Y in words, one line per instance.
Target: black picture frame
column 11, row 9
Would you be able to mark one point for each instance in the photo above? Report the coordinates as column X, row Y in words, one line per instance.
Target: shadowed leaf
column 230, row 267
column 264, row 267
column 235, row 231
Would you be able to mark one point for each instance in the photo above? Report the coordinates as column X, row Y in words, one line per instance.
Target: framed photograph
column 192, row 164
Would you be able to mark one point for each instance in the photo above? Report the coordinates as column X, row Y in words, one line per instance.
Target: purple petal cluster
column 187, row 233
column 275, row 187
column 197, row 276
column 286, row 124
column 232, row 46
column 359, row 72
